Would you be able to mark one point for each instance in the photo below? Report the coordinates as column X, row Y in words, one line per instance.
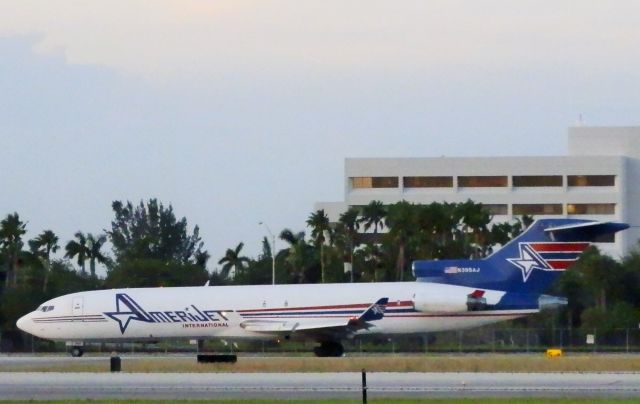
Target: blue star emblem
column 528, row 261
column 130, row 311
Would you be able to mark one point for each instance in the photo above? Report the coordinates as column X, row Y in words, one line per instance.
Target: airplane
column 447, row 295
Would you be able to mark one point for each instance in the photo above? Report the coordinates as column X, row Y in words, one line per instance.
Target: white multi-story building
column 598, row 180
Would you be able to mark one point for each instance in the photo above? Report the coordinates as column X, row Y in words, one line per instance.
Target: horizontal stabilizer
column 589, row 231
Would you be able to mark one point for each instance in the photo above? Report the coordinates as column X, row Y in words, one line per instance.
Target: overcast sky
column 237, row 112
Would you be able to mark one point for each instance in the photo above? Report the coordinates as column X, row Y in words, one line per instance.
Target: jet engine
column 474, row 301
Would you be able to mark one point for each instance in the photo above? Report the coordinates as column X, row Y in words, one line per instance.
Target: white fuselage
column 222, row 311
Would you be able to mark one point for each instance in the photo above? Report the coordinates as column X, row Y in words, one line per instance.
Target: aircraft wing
column 290, row 326
column 319, row 325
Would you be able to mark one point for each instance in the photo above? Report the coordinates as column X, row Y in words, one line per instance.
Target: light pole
column 273, row 253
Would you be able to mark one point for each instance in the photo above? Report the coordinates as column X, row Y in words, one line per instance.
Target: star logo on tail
column 127, row 310
column 528, row 261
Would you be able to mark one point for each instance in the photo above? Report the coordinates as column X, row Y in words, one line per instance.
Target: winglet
column 375, row 311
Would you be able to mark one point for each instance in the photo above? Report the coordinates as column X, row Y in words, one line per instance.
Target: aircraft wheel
column 329, row 349
column 77, row 352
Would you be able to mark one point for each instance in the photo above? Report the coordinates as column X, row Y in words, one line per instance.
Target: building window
column 374, row 182
column 496, row 209
column 537, row 209
column 482, row 181
column 537, row 180
column 591, row 208
column 591, row 180
column 428, row 182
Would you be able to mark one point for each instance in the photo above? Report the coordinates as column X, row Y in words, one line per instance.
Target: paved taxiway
column 38, row 385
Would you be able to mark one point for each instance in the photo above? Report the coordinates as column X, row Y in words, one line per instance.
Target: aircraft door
column 77, row 306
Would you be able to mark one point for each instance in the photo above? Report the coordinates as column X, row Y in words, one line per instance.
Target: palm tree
column 350, row 225
column 475, row 219
column 297, row 253
column 42, row 246
column 522, row 223
column 11, row 231
column 93, row 252
column 233, row 260
column 401, row 224
column 201, row 258
column 373, row 258
column 78, row 249
column 266, row 248
column 443, row 219
column 373, row 214
column 319, row 223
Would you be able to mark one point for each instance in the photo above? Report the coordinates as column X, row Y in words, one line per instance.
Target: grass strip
column 484, row 400
column 380, row 363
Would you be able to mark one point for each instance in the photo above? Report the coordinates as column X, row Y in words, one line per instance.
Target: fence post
column 627, row 339
column 493, row 339
column 364, row 386
column 527, row 339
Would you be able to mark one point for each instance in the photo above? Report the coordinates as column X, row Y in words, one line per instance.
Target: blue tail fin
column 529, row 263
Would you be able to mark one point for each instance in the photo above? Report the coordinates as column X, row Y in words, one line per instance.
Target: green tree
column 350, row 225
column 151, row 231
column 78, row 249
column 297, row 256
column 629, row 284
column 94, row 253
column 11, row 231
column 572, row 286
column 259, row 271
column 601, row 274
column 502, row 233
column 266, row 248
column 64, row 279
column 475, row 220
column 201, row 258
column 139, row 273
column 371, row 258
column 373, row 215
column 400, row 221
column 437, row 223
column 619, row 315
column 233, row 260
column 153, row 248
column 42, row 246
column 319, row 224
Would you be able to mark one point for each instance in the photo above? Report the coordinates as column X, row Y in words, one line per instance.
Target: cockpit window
column 45, row 309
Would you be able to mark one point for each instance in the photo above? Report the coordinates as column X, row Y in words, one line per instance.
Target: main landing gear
column 329, row 348
column 77, row 351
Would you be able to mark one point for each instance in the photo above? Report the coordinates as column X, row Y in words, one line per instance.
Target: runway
column 94, row 386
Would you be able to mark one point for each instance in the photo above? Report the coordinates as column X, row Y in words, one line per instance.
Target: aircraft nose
column 24, row 323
